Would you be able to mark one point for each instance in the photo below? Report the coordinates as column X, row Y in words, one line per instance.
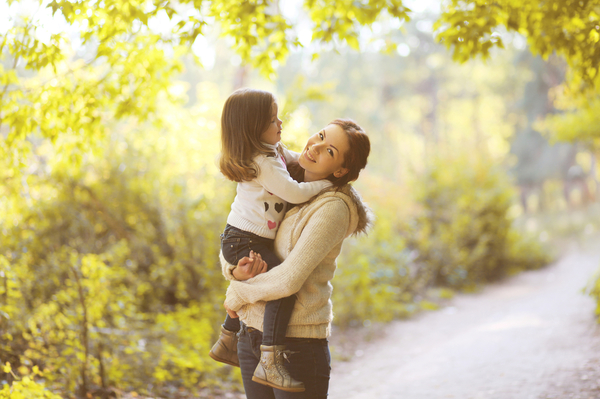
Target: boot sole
column 270, row 384
column 218, row 359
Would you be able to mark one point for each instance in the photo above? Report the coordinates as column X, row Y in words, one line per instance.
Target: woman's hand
column 230, row 312
column 249, row 267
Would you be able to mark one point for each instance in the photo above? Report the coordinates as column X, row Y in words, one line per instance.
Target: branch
column 116, row 225
column 84, row 332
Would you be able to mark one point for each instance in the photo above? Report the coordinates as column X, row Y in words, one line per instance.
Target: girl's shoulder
column 269, row 161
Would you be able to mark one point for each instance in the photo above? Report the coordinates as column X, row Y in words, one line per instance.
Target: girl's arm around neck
column 276, row 180
column 290, row 156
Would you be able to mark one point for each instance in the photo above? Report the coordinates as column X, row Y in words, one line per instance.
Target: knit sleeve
column 325, row 229
column 290, row 156
column 276, row 180
column 226, row 268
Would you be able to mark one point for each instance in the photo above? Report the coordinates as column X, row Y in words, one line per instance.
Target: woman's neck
column 308, row 176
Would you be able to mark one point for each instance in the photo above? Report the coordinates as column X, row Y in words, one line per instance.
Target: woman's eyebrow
column 331, row 145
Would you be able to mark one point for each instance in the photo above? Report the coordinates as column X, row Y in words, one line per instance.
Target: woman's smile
column 308, row 155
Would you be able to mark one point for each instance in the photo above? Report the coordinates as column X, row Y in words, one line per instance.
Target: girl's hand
column 249, row 267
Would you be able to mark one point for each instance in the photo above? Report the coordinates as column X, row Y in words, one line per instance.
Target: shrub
column 463, row 234
column 27, row 386
column 459, row 235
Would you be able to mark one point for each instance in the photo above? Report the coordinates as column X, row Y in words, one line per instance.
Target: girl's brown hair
column 355, row 159
column 246, row 115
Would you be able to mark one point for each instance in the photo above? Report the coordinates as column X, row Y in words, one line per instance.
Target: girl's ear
column 340, row 172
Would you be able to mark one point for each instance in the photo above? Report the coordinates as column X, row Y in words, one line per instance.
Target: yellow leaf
column 353, row 42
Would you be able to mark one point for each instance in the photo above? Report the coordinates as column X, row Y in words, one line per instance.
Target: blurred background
column 112, row 204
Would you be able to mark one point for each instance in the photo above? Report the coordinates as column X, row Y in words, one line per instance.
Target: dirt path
column 533, row 336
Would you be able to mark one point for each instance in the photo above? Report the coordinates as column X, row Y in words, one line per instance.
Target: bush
column 593, row 290
column 109, row 273
column 373, row 281
column 458, row 235
column 463, row 234
column 25, row 387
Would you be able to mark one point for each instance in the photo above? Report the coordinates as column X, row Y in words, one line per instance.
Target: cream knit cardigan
column 309, row 239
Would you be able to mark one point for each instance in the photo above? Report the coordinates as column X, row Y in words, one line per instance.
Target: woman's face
column 324, row 154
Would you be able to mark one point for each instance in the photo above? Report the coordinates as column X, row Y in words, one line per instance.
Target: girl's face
column 324, row 154
column 273, row 133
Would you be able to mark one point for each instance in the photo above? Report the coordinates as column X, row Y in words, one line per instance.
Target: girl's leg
column 231, row 324
column 310, row 364
column 272, row 369
column 234, row 245
column 277, row 317
column 249, row 355
column 277, row 313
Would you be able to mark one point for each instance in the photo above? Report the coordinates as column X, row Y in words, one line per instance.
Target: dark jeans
column 311, row 365
column 236, row 244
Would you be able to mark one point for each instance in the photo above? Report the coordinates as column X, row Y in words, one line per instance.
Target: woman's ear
column 340, row 172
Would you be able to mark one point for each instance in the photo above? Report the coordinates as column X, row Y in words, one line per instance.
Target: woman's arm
column 326, row 228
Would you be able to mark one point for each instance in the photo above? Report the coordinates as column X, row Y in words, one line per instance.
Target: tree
column 129, row 52
column 569, row 28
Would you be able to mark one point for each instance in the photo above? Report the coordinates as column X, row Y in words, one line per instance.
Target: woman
column 309, row 239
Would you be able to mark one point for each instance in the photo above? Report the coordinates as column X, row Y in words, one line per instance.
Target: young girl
column 252, row 156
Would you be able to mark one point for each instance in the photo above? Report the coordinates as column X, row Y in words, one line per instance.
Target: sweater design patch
column 278, row 207
column 271, row 225
column 267, row 206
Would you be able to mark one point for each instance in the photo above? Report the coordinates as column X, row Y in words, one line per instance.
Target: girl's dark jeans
column 310, row 363
column 236, row 244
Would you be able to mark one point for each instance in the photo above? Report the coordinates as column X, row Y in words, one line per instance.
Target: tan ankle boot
column 272, row 372
column 225, row 350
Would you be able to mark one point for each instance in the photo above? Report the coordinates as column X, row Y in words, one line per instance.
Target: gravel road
column 533, row 336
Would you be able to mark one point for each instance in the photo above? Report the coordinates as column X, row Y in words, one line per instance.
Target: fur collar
column 361, row 220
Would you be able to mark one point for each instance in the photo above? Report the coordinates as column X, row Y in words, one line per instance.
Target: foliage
column 571, row 28
column 568, row 28
column 120, row 68
column 373, row 281
column 124, row 250
column 594, row 292
column 464, row 235
column 579, row 121
column 25, row 387
column 71, row 96
column 95, row 72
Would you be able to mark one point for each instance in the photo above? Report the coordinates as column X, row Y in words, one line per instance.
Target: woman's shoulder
column 336, row 199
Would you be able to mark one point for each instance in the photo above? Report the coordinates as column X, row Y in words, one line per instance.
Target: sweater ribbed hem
column 246, row 225
column 293, row 331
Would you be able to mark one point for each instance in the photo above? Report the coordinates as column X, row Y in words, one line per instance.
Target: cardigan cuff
column 232, row 300
column 227, row 268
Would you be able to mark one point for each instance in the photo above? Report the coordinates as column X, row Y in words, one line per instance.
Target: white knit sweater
column 309, row 239
column 260, row 204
